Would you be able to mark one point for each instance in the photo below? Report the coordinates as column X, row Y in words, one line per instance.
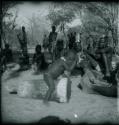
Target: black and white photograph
column 59, row 62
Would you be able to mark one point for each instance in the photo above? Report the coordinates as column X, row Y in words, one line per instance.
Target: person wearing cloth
column 102, row 55
column 52, row 39
column 57, row 69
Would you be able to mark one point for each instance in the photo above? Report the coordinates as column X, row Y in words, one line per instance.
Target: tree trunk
column 114, row 37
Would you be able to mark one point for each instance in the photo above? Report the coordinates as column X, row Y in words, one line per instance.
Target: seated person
column 103, row 54
column 38, row 59
column 57, row 69
column 7, row 52
column 115, row 68
column 92, row 82
column 106, row 55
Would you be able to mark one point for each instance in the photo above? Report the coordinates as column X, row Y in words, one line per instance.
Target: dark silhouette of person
column 103, row 55
column 106, row 54
column 72, row 39
column 38, row 59
column 23, row 40
column 7, row 53
column 52, row 39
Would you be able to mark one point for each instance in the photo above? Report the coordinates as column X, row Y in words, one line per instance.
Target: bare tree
column 6, row 5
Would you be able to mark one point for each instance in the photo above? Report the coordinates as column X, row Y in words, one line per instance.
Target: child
column 38, row 59
column 56, row 69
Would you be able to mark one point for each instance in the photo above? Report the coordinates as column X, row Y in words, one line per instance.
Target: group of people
column 98, row 69
column 58, row 43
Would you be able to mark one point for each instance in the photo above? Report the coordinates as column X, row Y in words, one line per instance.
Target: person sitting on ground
column 92, row 82
column 57, row 69
column 7, row 52
column 38, row 59
column 103, row 55
column 105, row 52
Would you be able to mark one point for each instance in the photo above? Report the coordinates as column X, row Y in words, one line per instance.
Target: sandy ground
column 89, row 108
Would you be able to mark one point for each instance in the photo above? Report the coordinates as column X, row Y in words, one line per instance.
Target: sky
column 26, row 10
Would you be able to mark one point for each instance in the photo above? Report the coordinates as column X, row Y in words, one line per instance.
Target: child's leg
column 50, row 82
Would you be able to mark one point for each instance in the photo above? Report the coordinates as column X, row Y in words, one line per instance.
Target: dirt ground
column 88, row 108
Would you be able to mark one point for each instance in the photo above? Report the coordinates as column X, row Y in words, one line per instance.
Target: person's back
column 62, row 64
column 57, row 68
column 52, row 38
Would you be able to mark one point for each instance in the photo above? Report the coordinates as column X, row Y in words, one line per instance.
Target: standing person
column 45, row 42
column 52, row 39
column 24, row 59
column 23, row 40
column 105, row 53
column 61, row 42
column 90, row 43
column 66, row 63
